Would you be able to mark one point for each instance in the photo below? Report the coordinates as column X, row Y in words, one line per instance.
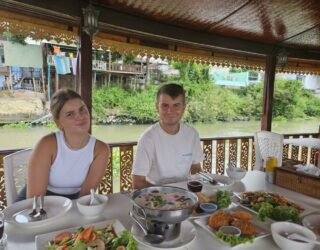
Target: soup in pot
column 163, row 200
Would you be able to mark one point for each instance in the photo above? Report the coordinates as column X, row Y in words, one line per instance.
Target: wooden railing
column 218, row 152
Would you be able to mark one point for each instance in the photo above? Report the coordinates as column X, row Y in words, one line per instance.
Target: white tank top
column 70, row 168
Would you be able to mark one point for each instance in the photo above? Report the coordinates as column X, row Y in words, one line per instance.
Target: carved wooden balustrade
column 218, row 152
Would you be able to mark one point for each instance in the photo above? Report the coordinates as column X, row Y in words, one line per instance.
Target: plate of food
column 221, row 198
column 108, row 234
column 245, row 221
column 270, row 205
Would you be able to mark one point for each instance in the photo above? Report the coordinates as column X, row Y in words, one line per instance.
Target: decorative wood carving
column 106, row 185
column 244, row 153
column 3, row 198
column 304, row 155
column 295, row 152
column 220, row 156
column 285, row 151
column 126, row 160
column 207, row 151
column 233, row 149
column 253, row 156
column 313, row 152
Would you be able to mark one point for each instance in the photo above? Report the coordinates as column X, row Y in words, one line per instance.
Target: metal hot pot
column 171, row 216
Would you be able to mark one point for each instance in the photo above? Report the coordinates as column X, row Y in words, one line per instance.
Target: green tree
column 193, row 72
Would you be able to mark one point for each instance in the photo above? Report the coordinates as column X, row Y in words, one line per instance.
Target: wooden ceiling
column 253, row 27
column 292, row 24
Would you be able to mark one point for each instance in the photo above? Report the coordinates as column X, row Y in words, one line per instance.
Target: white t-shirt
column 165, row 158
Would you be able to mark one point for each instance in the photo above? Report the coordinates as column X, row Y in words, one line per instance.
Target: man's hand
column 195, row 168
column 139, row 181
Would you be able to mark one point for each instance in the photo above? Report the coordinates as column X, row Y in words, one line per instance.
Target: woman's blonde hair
column 60, row 98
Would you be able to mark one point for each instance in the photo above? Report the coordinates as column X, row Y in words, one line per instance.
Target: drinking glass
column 194, row 185
column 3, row 236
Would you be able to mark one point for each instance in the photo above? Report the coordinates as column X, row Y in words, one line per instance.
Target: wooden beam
column 84, row 74
column 266, row 120
column 61, row 11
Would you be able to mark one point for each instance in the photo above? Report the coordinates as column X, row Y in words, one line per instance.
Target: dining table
column 119, row 205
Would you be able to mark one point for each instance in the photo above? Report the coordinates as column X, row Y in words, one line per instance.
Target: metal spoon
column 93, row 199
column 34, row 206
column 300, row 237
column 43, row 213
column 211, row 180
column 151, row 238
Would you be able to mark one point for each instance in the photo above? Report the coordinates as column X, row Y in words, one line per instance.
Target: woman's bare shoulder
column 101, row 147
column 47, row 141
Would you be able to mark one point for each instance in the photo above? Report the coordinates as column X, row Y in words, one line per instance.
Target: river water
column 27, row 137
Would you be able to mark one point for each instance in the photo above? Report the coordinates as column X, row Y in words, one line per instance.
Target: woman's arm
column 98, row 167
column 41, row 160
column 139, row 181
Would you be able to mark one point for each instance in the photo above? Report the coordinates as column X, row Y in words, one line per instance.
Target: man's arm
column 139, row 181
column 195, row 168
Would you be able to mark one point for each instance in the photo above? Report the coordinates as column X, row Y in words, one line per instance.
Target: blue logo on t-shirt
column 187, row 154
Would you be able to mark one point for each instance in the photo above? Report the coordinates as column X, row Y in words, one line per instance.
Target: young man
column 168, row 150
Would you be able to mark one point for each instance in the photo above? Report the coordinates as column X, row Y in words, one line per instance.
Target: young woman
column 69, row 162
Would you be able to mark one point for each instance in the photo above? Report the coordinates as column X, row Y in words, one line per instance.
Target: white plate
column 55, row 207
column 187, row 234
column 312, row 221
column 262, row 229
column 237, row 201
column 43, row 239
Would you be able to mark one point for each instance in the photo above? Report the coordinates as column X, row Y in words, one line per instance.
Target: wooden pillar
column 147, row 73
column 268, row 93
column 84, row 66
column 56, row 81
column 109, row 68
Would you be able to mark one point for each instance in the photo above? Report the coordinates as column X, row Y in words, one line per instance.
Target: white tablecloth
column 119, row 206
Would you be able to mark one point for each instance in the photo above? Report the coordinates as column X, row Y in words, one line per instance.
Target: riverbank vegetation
column 206, row 101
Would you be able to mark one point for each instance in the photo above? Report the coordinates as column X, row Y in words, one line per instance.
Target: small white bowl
column 312, row 221
column 93, row 210
column 208, row 207
column 236, row 174
column 230, row 230
column 280, row 229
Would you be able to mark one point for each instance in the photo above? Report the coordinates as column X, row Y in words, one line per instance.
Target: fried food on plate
column 219, row 219
column 241, row 215
column 205, row 198
column 246, row 227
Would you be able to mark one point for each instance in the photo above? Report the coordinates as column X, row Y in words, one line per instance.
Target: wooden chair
column 15, row 166
column 267, row 144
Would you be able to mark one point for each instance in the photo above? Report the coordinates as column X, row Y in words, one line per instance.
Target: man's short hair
column 173, row 90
